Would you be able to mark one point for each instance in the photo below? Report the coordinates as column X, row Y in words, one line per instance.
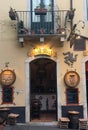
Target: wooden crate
column 64, row 122
column 83, row 123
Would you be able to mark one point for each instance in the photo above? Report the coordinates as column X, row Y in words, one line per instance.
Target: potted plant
column 12, row 14
column 40, row 10
column 71, row 14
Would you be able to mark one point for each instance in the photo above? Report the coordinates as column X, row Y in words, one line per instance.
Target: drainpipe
column 71, row 4
column 71, row 7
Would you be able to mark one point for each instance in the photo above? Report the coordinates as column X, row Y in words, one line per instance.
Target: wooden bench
column 64, row 122
column 83, row 123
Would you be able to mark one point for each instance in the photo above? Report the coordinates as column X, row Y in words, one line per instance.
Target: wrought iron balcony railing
column 41, row 22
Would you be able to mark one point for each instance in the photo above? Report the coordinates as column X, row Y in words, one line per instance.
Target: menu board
column 7, row 95
column 72, row 96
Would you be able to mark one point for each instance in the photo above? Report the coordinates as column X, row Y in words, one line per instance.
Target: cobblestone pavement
column 27, row 127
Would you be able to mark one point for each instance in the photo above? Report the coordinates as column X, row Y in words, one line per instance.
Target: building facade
column 42, row 58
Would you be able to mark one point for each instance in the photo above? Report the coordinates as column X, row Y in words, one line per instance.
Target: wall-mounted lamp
column 41, row 39
column 62, row 39
column 63, row 32
column 78, row 37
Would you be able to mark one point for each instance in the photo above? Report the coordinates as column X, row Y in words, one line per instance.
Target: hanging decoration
column 69, row 58
column 73, row 34
column 7, row 76
column 71, row 79
column 42, row 51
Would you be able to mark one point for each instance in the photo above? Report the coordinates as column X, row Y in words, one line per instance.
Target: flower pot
column 12, row 14
column 71, row 14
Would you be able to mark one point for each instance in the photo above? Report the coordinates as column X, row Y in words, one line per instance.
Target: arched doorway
column 29, row 61
column 43, row 90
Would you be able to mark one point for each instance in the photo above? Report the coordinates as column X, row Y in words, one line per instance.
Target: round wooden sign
column 71, row 79
column 7, row 77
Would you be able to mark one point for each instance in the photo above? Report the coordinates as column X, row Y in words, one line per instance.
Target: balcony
column 30, row 23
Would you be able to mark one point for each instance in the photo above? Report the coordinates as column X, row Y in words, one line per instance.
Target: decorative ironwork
column 73, row 34
column 49, row 27
column 70, row 58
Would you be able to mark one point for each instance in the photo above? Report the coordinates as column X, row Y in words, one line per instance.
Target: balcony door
column 42, row 21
